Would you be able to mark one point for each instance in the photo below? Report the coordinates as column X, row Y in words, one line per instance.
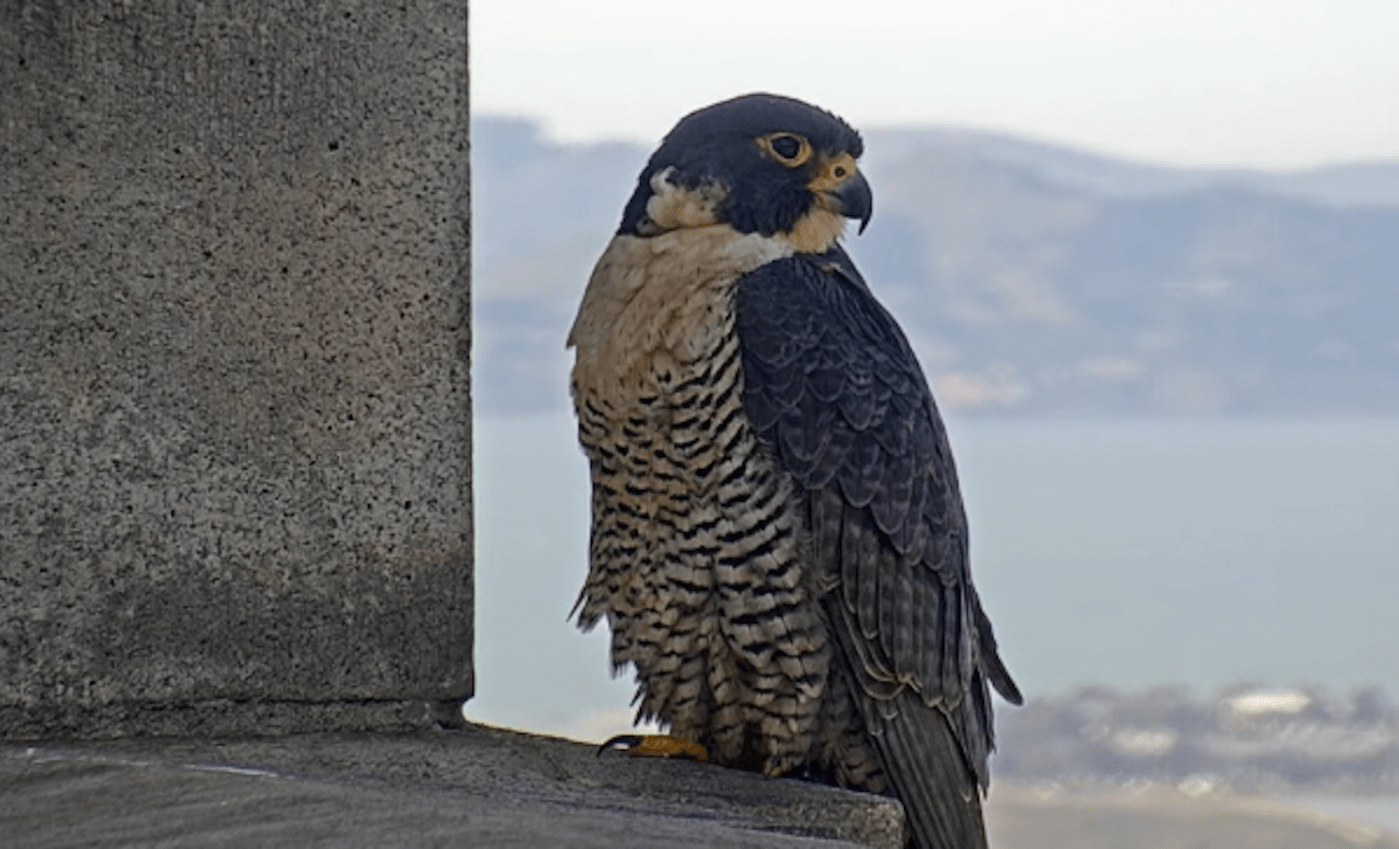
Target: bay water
column 1125, row 553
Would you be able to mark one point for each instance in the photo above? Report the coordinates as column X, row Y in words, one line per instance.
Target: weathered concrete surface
column 234, row 415
column 488, row 787
column 471, row 787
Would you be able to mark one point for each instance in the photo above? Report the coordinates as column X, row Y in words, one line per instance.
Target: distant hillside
column 1352, row 184
column 1031, row 278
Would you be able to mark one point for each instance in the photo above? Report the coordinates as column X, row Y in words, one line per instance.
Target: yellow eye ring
column 788, row 149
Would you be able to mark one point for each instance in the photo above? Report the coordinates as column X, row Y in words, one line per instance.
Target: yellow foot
column 655, row 746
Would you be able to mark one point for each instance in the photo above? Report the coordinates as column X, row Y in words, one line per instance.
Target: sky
column 1278, row 84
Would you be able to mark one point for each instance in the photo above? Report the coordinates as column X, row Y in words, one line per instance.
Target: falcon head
column 759, row 163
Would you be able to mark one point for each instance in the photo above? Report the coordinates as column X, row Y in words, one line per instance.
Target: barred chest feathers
column 696, row 545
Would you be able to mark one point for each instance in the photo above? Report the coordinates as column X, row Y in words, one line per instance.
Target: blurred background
column 1148, row 254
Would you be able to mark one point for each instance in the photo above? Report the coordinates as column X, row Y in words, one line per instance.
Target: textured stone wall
column 234, row 333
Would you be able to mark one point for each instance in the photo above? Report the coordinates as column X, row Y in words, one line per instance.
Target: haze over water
column 1128, row 553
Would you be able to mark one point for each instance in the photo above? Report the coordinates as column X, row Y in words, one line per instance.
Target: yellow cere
column 833, row 172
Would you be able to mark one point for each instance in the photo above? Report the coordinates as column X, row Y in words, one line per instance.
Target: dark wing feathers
column 862, row 396
column 834, row 389
column 860, row 475
column 996, row 670
column 892, row 458
column 925, row 759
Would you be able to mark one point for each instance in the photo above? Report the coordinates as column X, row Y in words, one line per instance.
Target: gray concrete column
column 234, row 331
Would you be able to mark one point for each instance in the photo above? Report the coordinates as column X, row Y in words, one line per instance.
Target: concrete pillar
column 234, row 331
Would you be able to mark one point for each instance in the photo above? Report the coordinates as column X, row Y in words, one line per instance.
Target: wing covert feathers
column 836, row 392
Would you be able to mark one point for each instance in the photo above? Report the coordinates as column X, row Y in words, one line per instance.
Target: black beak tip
column 856, row 200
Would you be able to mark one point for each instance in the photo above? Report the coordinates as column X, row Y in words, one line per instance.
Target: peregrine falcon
column 778, row 540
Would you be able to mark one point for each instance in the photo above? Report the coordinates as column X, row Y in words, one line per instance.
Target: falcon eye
column 786, row 147
column 789, row 149
column 839, row 172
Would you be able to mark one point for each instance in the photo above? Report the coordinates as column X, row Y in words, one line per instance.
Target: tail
column 928, row 767
column 934, row 757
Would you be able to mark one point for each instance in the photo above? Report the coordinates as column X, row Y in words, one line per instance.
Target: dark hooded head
column 759, row 163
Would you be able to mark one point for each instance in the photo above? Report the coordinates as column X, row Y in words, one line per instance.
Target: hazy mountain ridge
column 1356, row 184
column 1032, row 278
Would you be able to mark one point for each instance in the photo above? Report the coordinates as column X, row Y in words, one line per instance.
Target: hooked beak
column 856, row 199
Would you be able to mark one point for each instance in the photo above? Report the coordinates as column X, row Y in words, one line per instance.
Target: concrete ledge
column 483, row 786
column 474, row 786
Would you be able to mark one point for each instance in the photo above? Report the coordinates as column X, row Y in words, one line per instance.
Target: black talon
column 621, row 741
